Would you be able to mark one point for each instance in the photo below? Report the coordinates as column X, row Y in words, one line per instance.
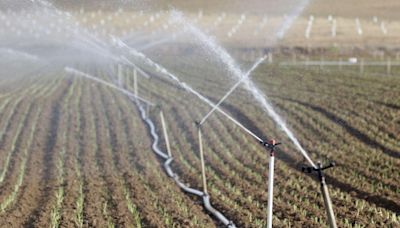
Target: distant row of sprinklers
column 355, row 64
column 332, row 22
column 103, row 23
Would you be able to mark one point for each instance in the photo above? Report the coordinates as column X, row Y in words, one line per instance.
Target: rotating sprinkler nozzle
column 309, row 169
column 271, row 144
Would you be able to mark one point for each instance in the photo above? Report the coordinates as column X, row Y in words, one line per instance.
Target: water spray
column 22, row 54
column 135, row 67
column 211, row 45
column 187, row 88
column 270, row 145
column 245, row 77
column 124, row 91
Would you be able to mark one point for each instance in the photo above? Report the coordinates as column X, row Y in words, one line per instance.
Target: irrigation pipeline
column 168, row 159
column 167, row 166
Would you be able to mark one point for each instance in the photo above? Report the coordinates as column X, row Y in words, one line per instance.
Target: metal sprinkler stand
column 271, row 146
column 324, row 190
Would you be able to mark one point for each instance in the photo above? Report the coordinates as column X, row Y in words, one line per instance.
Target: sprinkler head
column 309, row 169
column 271, row 144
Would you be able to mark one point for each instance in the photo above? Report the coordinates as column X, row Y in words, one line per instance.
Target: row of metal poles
column 361, row 64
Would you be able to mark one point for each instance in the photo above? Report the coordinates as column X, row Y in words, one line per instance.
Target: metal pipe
column 324, row 190
column 165, row 134
column 203, row 169
column 270, row 189
column 327, row 198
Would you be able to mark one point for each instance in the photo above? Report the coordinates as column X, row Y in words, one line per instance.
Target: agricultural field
column 102, row 114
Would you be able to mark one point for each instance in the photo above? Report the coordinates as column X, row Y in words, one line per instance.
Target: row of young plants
column 125, row 188
column 25, row 148
column 368, row 94
column 98, row 200
column 300, row 128
column 382, row 169
column 179, row 197
column 65, row 130
column 191, row 165
column 355, row 176
column 12, row 126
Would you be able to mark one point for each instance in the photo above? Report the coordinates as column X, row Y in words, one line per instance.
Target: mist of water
column 17, row 53
column 210, row 45
column 85, row 42
column 290, row 18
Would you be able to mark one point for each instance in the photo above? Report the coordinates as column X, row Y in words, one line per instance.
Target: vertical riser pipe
column 270, row 190
column 328, row 205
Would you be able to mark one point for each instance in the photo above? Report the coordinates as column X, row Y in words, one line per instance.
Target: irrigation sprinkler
column 271, row 146
column 333, row 29
column 358, row 27
column 383, row 28
column 309, row 26
column 324, row 189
